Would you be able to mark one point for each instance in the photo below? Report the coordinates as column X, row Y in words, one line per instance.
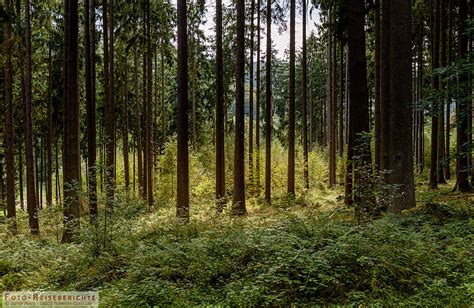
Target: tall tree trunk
column 268, row 107
column 182, row 198
column 421, row 124
column 193, row 88
column 126, row 162
column 385, row 112
column 32, row 204
column 304, row 101
column 331, row 105
column 8, row 131
column 89, row 16
column 359, row 111
column 441, row 138
column 377, row 131
column 49, row 135
column 435, row 108
column 149, row 118
column 401, row 145
column 20, row 175
column 291, row 107
column 448, row 102
column 257, row 105
column 238, row 198
column 163, row 101
column 340, row 109
column 251, row 81
column 71, row 175
column 138, row 133
column 462, row 110
column 220, row 150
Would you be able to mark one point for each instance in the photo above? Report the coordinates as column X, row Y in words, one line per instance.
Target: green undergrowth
column 298, row 254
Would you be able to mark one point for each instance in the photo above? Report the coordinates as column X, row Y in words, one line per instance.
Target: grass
column 306, row 251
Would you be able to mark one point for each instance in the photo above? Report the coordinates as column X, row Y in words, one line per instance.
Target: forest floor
column 305, row 252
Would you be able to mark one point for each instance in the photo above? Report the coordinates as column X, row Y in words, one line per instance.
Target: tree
column 126, row 163
column 89, row 39
column 359, row 108
column 435, row 108
column 251, row 93
column 268, row 106
column 257, row 104
column 304, row 101
column 401, row 140
column 71, row 176
column 385, row 47
column 220, row 152
column 238, row 198
column 182, row 200
column 31, row 204
column 462, row 111
column 377, row 130
column 8, row 130
column 291, row 107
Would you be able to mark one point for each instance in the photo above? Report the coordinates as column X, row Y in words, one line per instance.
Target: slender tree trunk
column 20, row 174
column 32, row 204
column 71, row 175
column 8, row 130
column 462, row 110
column 89, row 31
column 268, row 107
column 377, row 131
column 257, row 105
column 182, row 198
column 421, row 125
column 220, row 150
column 441, row 138
column 149, row 119
column 340, row 109
column 448, row 102
column 251, row 81
column 401, row 145
column 331, row 104
column 126, row 162
column 304, row 101
column 435, row 108
column 385, row 112
column 163, row 104
column 291, row 107
column 238, row 198
column 138, row 133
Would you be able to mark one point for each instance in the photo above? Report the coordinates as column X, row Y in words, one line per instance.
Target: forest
column 238, row 153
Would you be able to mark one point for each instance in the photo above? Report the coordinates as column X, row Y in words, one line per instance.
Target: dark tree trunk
column 359, row 110
column 385, row 46
column 149, row 118
column 49, row 135
column 448, row 102
column 377, row 131
column 257, row 105
column 268, row 107
column 251, row 93
column 291, row 107
column 304, row 101
column 89, row 29
column 182, row 198
column 138, row 133
column 340, row 109
column 71, row 176
column 435, row 108
column 331, row 105
column 441, row 131
column 8, row 131
column 32, row 204
column 20, row 175
column 463, row 111
column 126, row 162
column 401, row 145
column 238, row 198
column 220, row 150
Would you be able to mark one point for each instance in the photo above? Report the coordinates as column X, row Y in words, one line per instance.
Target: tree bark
column 291, row 107
column 8, row 130
column 220, row 150
column 182, row 198
column 441, row 132
column 268, row 106
column 126, row 162
column 435, row 108
column 385, row 65
column 304, row 100
column 32, row 204
column 377, row 130
column 257, row 105
column 401, row 145
column 251, row 93
column 238, row 198
column 71, row 172
column 463, row 111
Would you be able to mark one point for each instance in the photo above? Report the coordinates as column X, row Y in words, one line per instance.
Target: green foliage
column 278, row 257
